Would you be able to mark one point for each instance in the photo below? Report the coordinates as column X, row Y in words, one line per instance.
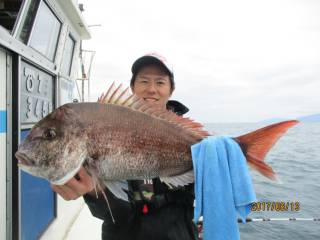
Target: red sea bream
column 121, row 138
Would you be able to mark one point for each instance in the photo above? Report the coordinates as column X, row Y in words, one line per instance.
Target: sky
column 233, row 61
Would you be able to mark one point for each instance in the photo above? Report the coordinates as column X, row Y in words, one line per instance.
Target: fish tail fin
column 255, row 145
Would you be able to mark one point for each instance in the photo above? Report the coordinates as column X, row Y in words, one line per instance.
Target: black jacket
column 167, row 216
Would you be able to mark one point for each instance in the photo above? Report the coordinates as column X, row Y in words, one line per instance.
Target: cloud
column 233, row 60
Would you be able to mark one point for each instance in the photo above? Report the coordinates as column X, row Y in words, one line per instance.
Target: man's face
column 153, row 85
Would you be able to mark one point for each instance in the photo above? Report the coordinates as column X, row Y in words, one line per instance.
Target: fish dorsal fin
column 179, row 180
column 118, row 96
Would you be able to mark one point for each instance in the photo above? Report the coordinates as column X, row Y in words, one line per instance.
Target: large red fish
column 121, row 137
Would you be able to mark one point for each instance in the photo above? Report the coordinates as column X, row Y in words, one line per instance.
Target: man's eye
column 50, row 134
column 142, row 81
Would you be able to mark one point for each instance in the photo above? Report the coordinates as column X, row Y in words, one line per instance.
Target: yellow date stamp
column 275, row 206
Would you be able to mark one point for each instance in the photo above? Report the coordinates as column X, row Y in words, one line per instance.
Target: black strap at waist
column 160, row 200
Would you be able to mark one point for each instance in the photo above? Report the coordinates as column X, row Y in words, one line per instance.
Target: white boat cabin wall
column 39, row 62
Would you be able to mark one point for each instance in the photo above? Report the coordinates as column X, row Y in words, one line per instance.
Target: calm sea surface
column 296, row 160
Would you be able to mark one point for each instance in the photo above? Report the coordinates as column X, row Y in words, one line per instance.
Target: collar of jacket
column 177, row 107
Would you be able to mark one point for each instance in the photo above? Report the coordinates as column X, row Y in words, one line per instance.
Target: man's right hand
column 75, row 187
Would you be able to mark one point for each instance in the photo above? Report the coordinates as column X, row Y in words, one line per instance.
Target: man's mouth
column 150, row 99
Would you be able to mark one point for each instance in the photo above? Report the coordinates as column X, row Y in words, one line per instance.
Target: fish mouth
column 23, row 159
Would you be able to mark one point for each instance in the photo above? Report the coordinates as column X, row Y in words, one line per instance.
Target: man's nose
column 151, row 88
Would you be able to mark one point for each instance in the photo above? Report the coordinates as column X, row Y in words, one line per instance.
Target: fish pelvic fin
column 118, row 188
column 118, row 96
column 255, row 145
column 91, row 168
column 105, row 198
column 179, row 180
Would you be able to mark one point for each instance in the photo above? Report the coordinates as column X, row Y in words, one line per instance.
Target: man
column 154, row 211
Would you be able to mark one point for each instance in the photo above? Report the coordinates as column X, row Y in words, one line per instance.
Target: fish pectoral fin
column 179, row 180
column 118, row 189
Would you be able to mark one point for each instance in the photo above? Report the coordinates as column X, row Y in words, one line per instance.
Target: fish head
column 55, row 147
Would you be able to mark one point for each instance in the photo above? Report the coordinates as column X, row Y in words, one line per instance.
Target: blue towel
column 223, row 187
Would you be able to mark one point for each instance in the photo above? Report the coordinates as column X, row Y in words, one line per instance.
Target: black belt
column 158, row 201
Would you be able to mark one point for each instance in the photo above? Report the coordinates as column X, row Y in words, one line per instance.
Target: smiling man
column 154, row 211
column 152, row 79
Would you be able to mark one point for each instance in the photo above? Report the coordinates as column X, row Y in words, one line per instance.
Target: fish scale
column 148, row 143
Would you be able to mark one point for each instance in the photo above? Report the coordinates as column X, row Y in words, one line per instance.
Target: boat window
column 27, row 20
column 8, row 13
column 67, row 56
column 45, row 32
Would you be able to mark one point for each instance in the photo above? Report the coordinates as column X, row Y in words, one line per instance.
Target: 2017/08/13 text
column 275, row 206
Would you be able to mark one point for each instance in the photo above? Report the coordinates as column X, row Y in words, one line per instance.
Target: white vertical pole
column 3, row 145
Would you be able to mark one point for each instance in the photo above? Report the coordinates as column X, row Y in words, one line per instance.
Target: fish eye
column 50, row 134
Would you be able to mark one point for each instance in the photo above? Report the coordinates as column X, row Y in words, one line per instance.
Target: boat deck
column 85, row 226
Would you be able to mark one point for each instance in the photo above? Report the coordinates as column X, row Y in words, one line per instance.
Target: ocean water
column 296, row 160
